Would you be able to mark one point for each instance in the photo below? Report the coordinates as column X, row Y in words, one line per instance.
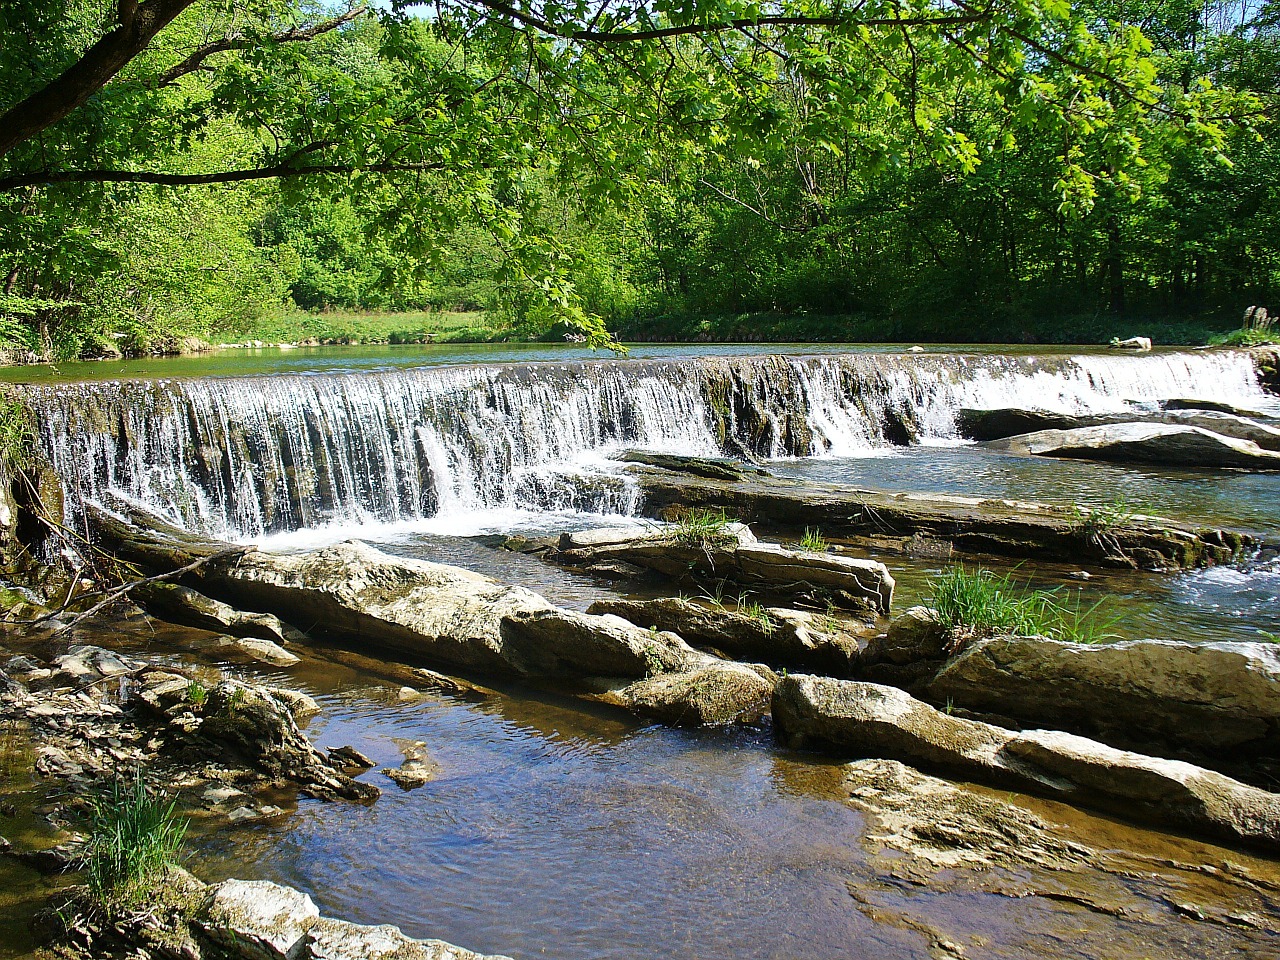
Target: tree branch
column 139, row 23
column 295, row 35
column 631, row 36
column 282, row 172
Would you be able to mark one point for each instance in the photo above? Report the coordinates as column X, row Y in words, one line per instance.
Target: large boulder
column 722, row 693
column 1170, row 445
column 790, row 638
column 1216, row 702
column 733, row 554
column 869, row 720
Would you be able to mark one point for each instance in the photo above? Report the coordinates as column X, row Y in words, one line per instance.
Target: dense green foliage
column 923, row 169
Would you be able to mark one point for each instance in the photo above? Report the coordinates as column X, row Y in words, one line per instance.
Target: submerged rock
column 869, row 720
column 950, row 826
column 790, row 638
column 1170, row 445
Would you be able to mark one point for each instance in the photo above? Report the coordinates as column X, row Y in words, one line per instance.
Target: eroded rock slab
column 870, row 720
column 734, row 555
column 1004, row 423
column 1004, row 527
column 414, row 609
column 179, row 604
column 790, row 638
column 1216, row 702
column 1170, row 445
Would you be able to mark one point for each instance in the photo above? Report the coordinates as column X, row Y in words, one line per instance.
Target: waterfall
column 240, row 458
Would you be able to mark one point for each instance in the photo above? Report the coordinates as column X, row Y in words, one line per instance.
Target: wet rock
column 1216, row 702
column 870, row 720
column 264, row 651
column 249, row 724
column 950, row 826
column 415, row 609
column 88, row 664
column 417, row 769
column 349, row 758
column 983, row 525
column 179, row 604
column 723, row 693
column 789, row 638
column 731, row 554
column 1216, row 406
column 712, row 468
column 1165, row 444
column 26, row 669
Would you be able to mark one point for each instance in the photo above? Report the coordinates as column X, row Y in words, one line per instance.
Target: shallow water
column 565, row 831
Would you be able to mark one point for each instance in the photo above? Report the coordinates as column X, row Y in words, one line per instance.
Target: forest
column 878, row 170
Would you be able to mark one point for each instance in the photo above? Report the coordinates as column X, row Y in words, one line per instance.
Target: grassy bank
column 861, row 328
column 351, row 327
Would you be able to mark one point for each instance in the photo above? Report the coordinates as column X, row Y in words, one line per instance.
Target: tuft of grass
column 134, row 839
column 813, row 540
column 702, row 528
column 752, row 609
column 980, row 603
column 197, row 693
column 1099, row 520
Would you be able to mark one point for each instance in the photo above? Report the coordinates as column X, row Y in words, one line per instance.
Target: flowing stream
column 560, row 831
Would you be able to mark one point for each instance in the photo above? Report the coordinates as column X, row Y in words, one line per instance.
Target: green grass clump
column 980, row 603
column 702, row 528
column 134, row 839
column 813, row 541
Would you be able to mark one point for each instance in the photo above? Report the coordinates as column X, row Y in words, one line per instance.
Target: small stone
column 349, row 758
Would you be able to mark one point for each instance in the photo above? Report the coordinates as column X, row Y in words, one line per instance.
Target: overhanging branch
column 51, row 177
column 197, row 57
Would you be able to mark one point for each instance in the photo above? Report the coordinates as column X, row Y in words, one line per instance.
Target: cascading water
column 244, row 457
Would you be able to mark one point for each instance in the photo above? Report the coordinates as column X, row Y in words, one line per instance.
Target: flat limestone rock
column 259, row 920
column 869, row 720
column 790, row 638
column 1001, row 424
column 986, row 525
column 733, row 554
column 179, row 604
column 1165, row 444
column 404, row 608
column 1218, row 702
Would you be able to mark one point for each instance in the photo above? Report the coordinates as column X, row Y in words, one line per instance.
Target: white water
column 455, row 448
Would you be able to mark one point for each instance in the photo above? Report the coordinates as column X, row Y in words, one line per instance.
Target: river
column 558, row 830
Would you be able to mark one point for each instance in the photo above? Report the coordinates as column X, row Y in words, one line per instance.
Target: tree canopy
column 608, row 155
